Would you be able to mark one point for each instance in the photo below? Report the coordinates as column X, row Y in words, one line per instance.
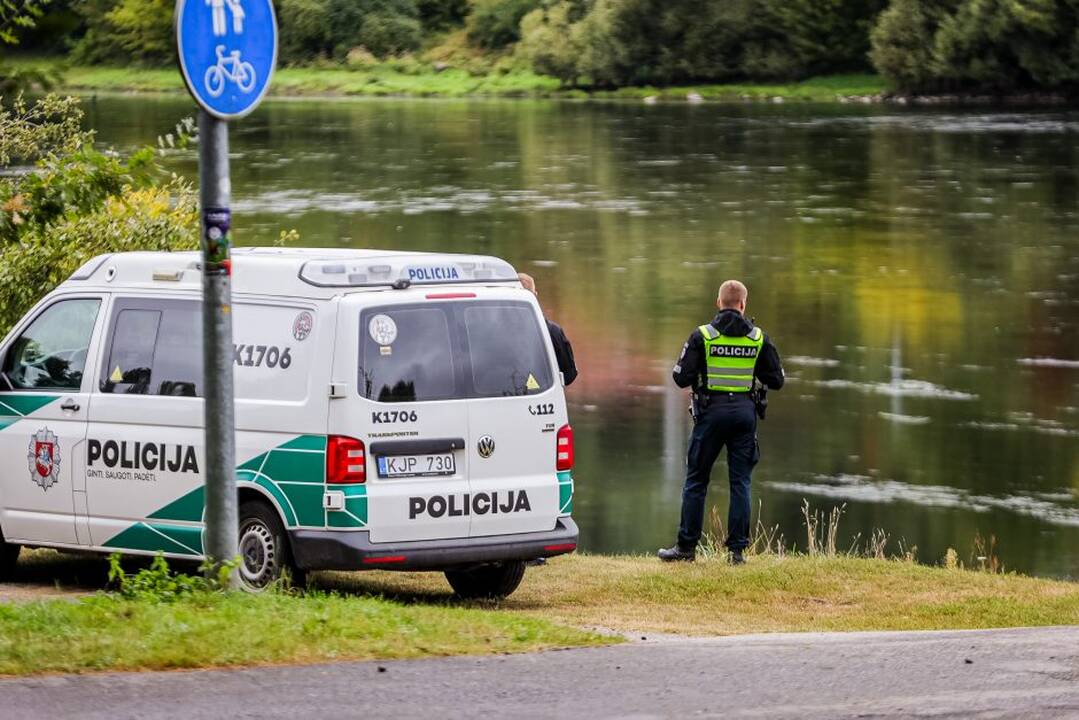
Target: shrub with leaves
column 158, row 583
column 979, row 45
column 75, row 202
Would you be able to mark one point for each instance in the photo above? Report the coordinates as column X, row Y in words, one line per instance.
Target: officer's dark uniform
column 723, row 418
column 563, row 352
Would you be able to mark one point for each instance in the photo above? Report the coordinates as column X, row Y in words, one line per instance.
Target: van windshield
column 452, row 350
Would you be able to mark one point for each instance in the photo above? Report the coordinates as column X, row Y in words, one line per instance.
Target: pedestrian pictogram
column 227, row 51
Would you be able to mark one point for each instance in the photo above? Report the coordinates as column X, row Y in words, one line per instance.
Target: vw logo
column 486, row 446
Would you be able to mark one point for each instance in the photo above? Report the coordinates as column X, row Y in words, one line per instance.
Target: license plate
column 397, row 466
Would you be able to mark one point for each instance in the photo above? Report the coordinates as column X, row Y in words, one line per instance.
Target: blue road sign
column 227, row 51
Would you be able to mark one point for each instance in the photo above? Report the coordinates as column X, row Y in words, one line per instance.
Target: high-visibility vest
column 730, row 360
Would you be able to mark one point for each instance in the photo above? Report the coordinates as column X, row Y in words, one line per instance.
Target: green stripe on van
column 19, row 405
column 354, row 514
column 141, row 536
column 565, row 493
column 293, row 474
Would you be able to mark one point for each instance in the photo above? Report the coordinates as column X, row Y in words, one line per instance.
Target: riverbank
column 421, row 80
column 576, row 601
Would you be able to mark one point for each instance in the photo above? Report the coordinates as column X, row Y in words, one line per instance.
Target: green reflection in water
column 908, row 264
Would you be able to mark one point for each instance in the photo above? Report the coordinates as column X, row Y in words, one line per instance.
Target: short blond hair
column 731, row 293
column 528, row 282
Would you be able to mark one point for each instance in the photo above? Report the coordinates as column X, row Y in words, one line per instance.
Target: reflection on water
column 920, row 270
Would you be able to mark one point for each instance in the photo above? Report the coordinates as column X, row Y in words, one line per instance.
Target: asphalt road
column 1002, row 673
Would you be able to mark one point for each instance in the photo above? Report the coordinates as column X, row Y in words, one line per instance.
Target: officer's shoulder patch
column 756, row 334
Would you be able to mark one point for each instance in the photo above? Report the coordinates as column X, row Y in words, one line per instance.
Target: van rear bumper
column 339, row 550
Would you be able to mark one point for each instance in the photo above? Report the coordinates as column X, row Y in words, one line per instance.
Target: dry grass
column 770, row 594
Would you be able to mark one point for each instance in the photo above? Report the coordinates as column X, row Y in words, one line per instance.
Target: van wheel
column 494, row 581
column 9, row 555
column 263, row 546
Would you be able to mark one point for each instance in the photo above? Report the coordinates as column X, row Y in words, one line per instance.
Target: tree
column 17, row 16
column 978, row 45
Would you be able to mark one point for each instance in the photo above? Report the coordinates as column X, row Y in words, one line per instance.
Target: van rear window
column 445, row 351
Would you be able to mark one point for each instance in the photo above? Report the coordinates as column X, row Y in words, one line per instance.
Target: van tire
column 263, row 548
column 9, row 555
column 493, row 582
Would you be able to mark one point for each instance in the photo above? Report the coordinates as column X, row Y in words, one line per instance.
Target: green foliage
column 901, row 42
column 17, row 16
column 144, row 29
column 624, row 42
column 77, row 202
column 438, row 15
column 305, row 31
column 384, row 27
column 155, row 583
column 994, row 45
column 96, row 43
column 386, row 34
column 126, row 30
column 549, row 42
column 31, row 132
column 497, row 23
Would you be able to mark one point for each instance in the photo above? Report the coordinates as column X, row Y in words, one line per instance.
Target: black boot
column 737, row 557
column 677, row 553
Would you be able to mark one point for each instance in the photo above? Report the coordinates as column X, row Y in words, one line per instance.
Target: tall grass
column 822, row 540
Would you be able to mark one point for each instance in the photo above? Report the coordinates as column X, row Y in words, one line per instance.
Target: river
column 918, row 270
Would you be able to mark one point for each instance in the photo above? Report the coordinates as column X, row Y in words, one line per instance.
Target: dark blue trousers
column 728, row 420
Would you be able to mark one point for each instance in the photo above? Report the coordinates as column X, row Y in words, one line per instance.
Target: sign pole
column 227, row 51
column 222, row 523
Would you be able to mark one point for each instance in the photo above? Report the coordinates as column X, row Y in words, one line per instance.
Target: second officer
column 720, row 361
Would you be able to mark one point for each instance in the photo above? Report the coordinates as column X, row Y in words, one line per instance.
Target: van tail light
column 564, row 458
column 346, row 460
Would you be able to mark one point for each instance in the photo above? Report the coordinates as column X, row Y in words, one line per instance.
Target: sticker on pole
column 227, row 51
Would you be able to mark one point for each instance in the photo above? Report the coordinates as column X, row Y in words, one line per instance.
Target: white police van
column 393, row 411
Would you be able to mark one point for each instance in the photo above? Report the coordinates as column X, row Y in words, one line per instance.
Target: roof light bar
column 415, row 270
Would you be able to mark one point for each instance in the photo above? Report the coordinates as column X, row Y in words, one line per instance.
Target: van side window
column 154, row 347
column 51, row 353
column 131, row 353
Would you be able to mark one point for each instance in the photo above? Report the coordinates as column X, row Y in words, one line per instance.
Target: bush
column 387, row 34
column 902, row 42
column 126, row 30
column 77, row 203
column 158, row 583
column 304, row 30
column 627, row 42
column 979, row 45
column 496, row 24
column 440, row 15
column 547, row 42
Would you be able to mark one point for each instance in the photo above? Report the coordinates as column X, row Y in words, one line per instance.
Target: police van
column 393, row 411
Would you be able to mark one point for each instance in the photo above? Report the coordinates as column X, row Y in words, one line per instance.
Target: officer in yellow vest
column 720, row 361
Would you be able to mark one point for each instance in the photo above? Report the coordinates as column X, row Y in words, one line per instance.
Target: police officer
column 563, row 351
column 720, row 361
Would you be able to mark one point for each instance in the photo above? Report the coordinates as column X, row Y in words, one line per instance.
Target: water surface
column 918, row 270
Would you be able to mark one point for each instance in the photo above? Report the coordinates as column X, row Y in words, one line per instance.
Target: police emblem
column 301, row 327
column 44, row 458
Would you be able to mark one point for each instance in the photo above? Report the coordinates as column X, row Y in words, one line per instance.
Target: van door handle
column 70, row 405
column 417, row 447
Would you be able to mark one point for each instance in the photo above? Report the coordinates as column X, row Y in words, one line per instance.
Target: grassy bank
column 795, row 593
column 383, row 615
column 393, row 79
column 109, row 633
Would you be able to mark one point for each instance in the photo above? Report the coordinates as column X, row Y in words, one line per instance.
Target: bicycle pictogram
column 229, row 67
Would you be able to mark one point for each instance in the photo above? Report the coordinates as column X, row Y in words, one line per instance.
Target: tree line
column 917, row 45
